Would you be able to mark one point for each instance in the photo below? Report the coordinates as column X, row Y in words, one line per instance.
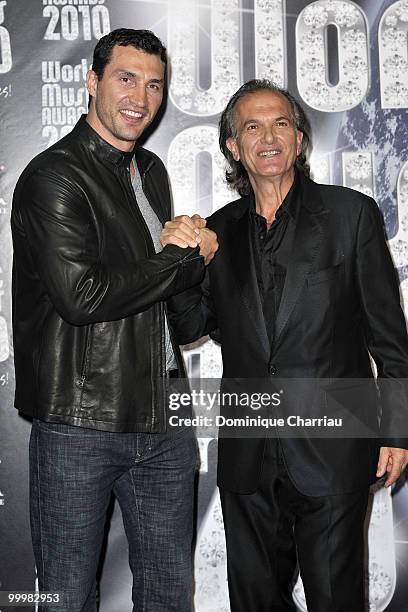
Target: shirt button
column 272, row 369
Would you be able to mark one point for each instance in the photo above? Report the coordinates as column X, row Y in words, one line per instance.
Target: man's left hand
column 392, row 460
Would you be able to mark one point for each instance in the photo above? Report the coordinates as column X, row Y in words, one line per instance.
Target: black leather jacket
column 88, row 289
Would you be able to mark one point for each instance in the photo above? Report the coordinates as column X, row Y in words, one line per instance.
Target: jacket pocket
column 323, row 275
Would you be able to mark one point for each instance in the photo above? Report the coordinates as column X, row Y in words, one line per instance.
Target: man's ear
column 91, row 82
column 233, row 148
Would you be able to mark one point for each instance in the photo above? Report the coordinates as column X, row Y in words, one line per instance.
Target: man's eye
column 125, row 80
column 252, row 127
column 282, row 123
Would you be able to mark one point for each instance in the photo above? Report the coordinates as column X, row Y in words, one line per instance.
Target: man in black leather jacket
column 93, row 349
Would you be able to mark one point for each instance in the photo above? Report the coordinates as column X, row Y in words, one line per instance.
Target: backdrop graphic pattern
column 347, row 62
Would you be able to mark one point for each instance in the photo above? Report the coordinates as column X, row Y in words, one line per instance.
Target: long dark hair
column 237, row 176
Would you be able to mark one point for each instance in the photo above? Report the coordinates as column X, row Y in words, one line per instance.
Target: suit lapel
column 310, row 227
column 240, row 251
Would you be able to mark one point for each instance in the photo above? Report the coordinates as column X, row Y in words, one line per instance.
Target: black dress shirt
column 271, row 248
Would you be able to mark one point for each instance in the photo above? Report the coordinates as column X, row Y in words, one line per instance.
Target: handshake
column 184, row 231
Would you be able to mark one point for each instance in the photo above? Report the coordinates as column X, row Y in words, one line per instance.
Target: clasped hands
column 184, row 231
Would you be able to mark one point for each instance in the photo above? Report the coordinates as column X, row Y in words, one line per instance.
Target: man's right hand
column 184, row 231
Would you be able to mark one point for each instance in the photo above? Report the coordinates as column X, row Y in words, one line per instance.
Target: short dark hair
column 237, row 177
column 144, row 40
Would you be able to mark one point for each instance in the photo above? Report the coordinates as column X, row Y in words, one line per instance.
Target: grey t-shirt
column 155, row 227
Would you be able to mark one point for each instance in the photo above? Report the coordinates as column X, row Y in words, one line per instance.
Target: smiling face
column 267, row 142
column 127, row 97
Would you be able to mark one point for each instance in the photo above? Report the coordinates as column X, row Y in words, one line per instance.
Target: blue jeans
column 72, row 474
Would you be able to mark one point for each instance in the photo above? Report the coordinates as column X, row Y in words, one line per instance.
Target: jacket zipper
column 162, row 306
column 149, row 242
column 162, row 321
column 82, row 379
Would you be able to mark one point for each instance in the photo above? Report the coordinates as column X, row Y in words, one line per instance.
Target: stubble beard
column 110, row 123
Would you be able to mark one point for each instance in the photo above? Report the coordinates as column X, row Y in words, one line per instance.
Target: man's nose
column 268, row 134
column 138, row 94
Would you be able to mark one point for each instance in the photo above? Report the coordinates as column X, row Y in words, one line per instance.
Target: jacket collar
column 309, row 195
column 102, row 149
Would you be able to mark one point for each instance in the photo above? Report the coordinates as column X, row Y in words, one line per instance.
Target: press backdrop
column 348, row 64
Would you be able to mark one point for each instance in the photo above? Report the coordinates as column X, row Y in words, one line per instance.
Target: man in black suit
column 303, row 286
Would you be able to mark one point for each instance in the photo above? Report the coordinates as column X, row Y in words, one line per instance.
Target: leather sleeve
column 192, row 313
column 56, row 223
column 385, row 324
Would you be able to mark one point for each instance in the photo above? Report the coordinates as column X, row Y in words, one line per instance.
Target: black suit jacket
column 340, row 303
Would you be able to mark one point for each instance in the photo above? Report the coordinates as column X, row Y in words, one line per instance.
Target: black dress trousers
column 276, row 531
